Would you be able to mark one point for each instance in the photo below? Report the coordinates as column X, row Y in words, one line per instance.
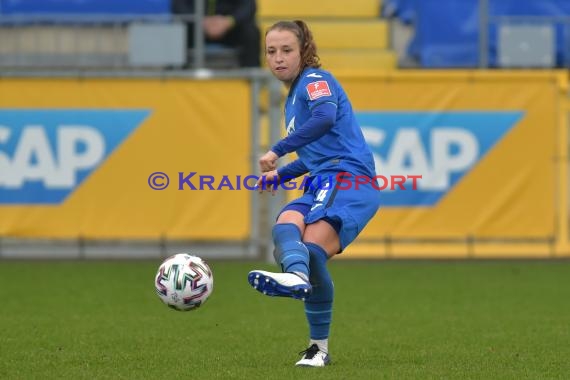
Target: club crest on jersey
column 291, row 126
column 318, row 89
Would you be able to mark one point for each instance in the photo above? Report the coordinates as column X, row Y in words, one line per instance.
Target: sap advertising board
column 440, row 146
column 46, row 154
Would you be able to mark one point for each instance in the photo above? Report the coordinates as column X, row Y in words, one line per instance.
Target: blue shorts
column 348, row 207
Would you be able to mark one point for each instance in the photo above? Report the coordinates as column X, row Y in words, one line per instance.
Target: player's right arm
column 269, row 179
column 292, row 170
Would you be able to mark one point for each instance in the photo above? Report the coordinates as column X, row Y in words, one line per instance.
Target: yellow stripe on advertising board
column 188, row 126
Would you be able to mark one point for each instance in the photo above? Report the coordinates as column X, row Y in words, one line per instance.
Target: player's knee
column 323, row 235
column 292, row 217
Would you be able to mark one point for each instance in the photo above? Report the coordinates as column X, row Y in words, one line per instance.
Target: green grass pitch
column 393, row 320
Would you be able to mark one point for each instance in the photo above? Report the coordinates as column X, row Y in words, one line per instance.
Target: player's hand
column 268, row 162
column 269, row 181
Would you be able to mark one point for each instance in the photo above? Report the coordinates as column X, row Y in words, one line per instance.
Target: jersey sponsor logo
column 46, row 154
column 442, row 147
column 318, row 89
column 314, row 75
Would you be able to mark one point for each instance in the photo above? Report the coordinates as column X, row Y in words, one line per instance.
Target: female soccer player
column 323, row 131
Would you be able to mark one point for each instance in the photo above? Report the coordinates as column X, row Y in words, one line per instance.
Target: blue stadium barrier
column 8, row 7
column 529, row 7
column 30, row 12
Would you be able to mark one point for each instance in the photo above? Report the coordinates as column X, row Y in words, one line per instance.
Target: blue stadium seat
column 548, row 8
column 447, row 31
column 404, row 10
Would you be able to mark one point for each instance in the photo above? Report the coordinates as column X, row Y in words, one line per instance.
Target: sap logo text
column 35, row 160
column 45, row 155
column 440, row 146
column 408, row 154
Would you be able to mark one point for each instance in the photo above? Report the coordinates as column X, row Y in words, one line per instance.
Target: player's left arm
column 322, row 119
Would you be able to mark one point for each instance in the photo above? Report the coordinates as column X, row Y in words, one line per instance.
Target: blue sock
column 318, row 307
column 292, row 253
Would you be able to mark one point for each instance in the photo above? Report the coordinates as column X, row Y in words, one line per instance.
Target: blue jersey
column 343, row 147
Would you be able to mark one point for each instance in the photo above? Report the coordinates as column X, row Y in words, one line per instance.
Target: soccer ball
column 184, row 282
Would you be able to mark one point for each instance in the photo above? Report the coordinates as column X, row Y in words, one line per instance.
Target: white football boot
column 279, row 284
column 313, row 357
